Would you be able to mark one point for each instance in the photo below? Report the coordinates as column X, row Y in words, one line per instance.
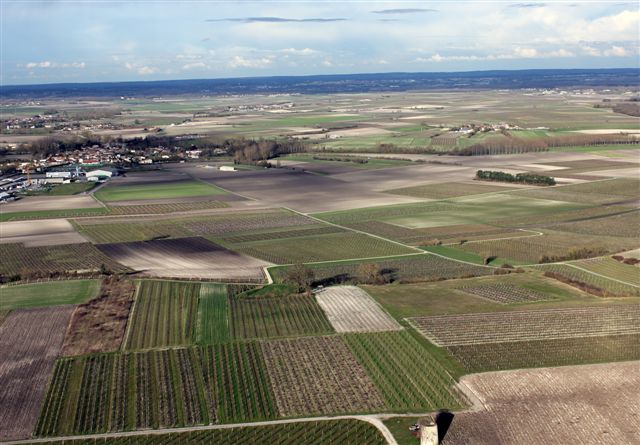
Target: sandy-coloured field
column 35, row 203
column 587, row 405
column 351, row 309
column 192, row 257
column 608, row 131
column 43, row 232
column 30, row 341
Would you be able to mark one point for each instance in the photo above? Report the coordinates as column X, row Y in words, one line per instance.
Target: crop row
column 515, row 326
column 613, row 269
column 422, row 385
column 318, row 375
column 26, row 261
column 164, row 314
column 246, row 221
column 274, row 235
column 506, row 293
column 154, row 389
column 623, row 225
column 263, row 317
column 176, row 207
column 328, row 247
column 546, row 353
column 576, row 277
column 347, row 432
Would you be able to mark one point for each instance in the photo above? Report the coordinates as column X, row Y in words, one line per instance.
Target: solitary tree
column 300, row 276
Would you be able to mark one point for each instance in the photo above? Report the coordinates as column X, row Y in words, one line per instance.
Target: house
column 67, row 174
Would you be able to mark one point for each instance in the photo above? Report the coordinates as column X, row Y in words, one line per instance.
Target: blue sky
column 89, row 41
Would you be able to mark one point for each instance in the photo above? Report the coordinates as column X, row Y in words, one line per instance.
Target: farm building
column 227, row 168
column 102, row 174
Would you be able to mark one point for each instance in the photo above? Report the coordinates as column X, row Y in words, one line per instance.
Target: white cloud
column 142, row 70
column 327, row 62
column 591, row 51
column 299, row 52
column 243, row 62
column 525, row 53
column 49, row 64
column 194, row 65
column 617, row 51
column 560, row 53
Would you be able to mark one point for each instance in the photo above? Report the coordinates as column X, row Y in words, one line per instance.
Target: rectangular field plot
column 407, row 375
column 20, row 260
column 597, row 192
column 30, row 341
column 595, row 284
column 552, row 245
column 318, row 375
column 579, row 399
column 542, row 353
column 186, row 258
column 104, row 231
column 506, row 293
column 286, row 316
column 413, row 268
column 469, row 329
column 350, row 309
column 156, row 389
column 448, row 190
column 164, row 314
column 624, row 225
column 347, row 431
column 48, row 293
column 247, row 221
column 329, row 247
column 213, row 314
column 174, row 189
column 612, row 269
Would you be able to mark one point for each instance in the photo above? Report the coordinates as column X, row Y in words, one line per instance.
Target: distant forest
column 339, row 83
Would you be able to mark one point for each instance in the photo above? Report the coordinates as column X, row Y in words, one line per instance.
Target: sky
column 94, row 41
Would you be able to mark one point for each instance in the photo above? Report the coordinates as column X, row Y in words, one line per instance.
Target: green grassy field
column 46, row 214
column 157, row 191
column 213, row 314
column 447, row 297
column 164, row 314
column 448, row 190
column 282, row 316
column 423, row 385
column 48, row 294
column 67, row 189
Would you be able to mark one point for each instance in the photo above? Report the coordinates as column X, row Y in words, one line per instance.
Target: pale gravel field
column 42, row 232
column 586, row 405
column 351, row 309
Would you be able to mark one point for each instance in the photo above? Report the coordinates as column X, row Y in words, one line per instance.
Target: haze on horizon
column 76, row 41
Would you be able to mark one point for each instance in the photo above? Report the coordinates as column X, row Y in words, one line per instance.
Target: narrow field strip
column 469, row 329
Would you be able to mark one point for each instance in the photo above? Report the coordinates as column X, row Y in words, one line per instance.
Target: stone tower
column 428, row 431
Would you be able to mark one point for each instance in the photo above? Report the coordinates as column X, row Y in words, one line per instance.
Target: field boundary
column 127, row 332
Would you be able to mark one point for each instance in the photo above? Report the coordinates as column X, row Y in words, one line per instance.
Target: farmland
column 351, row 266
column 155, row 191
column 505, row 293
column 283, row 316
column 51, row 260
column 30, row 340
column 164, row 314
column 598, row 285
column 318, row 375
column 50, row 293
column 350, row 309
column 553, row 352
column 453, row 330
column 423, row 385
column 348, row 432
column 577, row 398
column 422, row 267
column 321, row 248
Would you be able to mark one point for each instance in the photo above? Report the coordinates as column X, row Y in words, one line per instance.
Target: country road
column 373, row 419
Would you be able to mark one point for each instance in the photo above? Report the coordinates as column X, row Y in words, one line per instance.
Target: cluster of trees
column 574, row 254
column 521, row 178
column 49, row 146
column 357, row 160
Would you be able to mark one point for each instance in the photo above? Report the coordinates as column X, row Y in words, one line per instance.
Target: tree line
column 521, row 178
